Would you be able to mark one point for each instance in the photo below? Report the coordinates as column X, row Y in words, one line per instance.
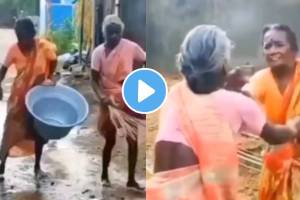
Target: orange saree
column 215, row 177
column 31, row 70
column 281, row 173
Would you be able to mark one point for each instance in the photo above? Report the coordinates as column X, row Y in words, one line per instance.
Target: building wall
column 133, row 14
column 102, row 8
column 11, row 9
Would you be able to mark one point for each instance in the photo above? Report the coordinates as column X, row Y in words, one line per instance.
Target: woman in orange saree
column 35, row 61
column 195, row 151
column 277, row 89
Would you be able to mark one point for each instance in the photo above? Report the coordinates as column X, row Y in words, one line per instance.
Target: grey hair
column 205, row 48
column 112, row 19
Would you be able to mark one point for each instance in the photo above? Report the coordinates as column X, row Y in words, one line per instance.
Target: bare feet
column 105, row 179
column 106, row 183
column 2, row 178
column 39, row 174
column 133, row 185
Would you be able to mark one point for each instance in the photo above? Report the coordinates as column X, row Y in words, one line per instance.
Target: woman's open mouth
column 275, row 58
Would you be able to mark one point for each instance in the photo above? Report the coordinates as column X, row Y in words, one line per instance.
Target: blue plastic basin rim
column 78, row 122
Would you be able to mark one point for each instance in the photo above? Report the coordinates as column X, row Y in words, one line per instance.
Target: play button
column 144, row 90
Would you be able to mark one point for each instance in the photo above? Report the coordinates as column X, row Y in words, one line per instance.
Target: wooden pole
column 81, row 31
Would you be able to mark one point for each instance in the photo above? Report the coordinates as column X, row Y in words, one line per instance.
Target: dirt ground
column 73, row 163
column 249, row 179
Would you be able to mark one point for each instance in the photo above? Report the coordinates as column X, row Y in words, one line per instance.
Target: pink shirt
column 243, row 115
column 114, row 68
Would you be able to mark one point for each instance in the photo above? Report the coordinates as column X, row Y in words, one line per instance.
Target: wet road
column 74, row 168
column 73, row 163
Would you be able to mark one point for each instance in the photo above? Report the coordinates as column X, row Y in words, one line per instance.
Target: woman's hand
column 236, row 79
column 105, row 100
column 111, row 101
column 294, row 124
column 115, row 103
column 124, row 123
column 48, row 82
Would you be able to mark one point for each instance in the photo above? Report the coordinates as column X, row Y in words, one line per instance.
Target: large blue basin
column 56, row 110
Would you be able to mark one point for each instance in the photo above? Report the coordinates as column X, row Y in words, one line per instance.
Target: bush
column 64, row 38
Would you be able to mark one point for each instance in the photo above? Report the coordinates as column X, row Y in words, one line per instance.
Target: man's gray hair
column 112, row 19
column 206, row 48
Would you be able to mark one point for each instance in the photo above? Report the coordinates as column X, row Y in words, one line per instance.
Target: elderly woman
column 35, row 61
column 196, row 152
column 111, row 63
column 277, row 89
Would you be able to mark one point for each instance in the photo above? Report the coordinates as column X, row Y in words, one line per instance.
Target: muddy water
column 73, row 164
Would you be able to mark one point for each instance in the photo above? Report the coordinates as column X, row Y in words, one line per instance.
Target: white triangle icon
column 144, row 91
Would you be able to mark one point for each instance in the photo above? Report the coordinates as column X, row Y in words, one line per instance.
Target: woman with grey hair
column 112, row 61
column 195, row 152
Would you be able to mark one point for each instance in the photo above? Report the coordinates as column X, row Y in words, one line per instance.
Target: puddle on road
column 73, row 164
column 74, row 167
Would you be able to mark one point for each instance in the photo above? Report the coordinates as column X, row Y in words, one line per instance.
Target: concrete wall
column 133, row 14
